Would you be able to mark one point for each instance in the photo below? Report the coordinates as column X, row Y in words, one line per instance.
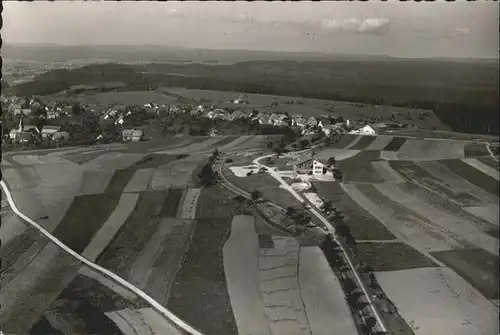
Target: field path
column 324, row 299
column 166, row 314
column 103, row 237
column 492, row 172
column 241, row 257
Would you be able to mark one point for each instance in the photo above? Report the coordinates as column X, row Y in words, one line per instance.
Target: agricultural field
column 277, row 286
column 358, row 168
column 108, row 226
column 264, row 183
column 128, row 98
column 361, row 223
column 145, row 217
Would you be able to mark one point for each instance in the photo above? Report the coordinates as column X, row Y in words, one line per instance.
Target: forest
column 464, row 95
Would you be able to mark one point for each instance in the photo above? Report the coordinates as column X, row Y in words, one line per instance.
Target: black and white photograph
column 250, row 168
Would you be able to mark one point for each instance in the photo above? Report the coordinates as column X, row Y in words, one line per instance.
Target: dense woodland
column 464, row 96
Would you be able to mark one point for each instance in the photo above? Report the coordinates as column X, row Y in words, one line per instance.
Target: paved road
column 157, row 306
column 330, row 229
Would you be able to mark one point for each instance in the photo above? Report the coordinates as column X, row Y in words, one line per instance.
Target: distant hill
column 464, row 95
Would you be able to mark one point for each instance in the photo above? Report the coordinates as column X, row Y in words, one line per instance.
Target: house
column 366, row 130
column 264, row 119
column 134, row 135
column 49, row 131
column 328, row 129
column 299, row 122
column 311, row 166
column 311, row 122
column 15, row 109
column 236, row 115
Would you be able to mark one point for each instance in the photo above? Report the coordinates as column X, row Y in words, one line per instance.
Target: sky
column 399, row 29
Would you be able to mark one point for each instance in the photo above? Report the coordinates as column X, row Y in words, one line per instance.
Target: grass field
column 81, row 306
column 456, row 183
column 444, row 203
column 83, row 219
column 199, row 294
column 363, row 143
column 419, row 176
column 391, row 256
column 489, row 161
column 132, row 237
column 177, row 173
column 171, row 203
column 358, row 169
column 476, row 266
column 362, row 224
column 436, row 301
column 424, row 150
column 215, row 202
column 395, row 144
column 128, row 98
column 475, row 150
column 82, row 158
column 19, row 253
column 407, row 226
column 32, row 291
column 343, row 141
column 167, row 258
column 472, row 175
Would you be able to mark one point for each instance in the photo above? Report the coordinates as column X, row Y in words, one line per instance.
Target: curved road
column 154, row 304
column 331, row 229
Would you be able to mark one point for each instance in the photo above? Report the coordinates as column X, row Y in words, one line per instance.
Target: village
column 32, row 122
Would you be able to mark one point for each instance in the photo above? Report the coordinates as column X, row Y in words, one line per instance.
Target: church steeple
column 21, row 125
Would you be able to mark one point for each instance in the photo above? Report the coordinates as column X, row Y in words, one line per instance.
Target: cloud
column 367, row 26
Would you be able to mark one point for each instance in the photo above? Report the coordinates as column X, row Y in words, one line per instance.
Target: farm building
column 48, row 131
column 366, row 130
column 134, row 135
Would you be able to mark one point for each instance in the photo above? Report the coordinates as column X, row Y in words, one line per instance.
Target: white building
column 366, row 130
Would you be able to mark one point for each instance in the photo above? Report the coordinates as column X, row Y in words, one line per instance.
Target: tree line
column 463, row 110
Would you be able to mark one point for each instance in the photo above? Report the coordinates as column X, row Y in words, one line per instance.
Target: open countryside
column 157, row 190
